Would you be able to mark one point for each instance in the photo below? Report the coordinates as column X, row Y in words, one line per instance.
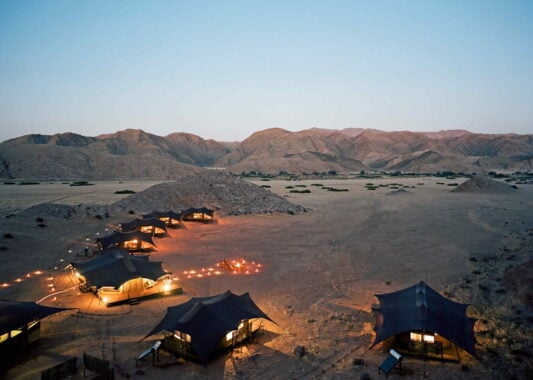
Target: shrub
column 99, row 217
column 289, row 187
column 39, row 219
column 266, row 186
column 7, row 235
column 28, row 183
column 9, row 183
column 317, row 184
column 2, row 248
column 300, row 186
column 306, row 191
column 81, row 183
column 124, row 192
column 131, row 212
column 41, row 225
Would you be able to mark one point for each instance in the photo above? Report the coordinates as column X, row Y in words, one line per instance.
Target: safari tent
column 20, row 324
column 116, row 276
column 420, row 321
column 152, row 226
column 202, row 214
column 132, row 241
column 202, row 326
column 171, row 218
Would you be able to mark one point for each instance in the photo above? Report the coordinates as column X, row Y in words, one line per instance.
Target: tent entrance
column 425, row 344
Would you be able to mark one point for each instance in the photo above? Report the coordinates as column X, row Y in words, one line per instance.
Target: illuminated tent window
column 182, row 336
column 415, row 337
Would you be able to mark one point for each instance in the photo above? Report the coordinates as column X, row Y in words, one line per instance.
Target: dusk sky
column 225, row 69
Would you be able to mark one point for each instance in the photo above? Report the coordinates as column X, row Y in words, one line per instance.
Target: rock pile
column 480, row 184
column 225, row 193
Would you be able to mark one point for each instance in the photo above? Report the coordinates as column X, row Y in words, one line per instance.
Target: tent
column 426, row 318
column 130, row 240
column 116, row 276
column 20, row 327
column 171, row 218
column 201, row 214
column 201, row 325
column 152, row 226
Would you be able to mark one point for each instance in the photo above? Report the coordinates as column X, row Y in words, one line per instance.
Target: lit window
column 415, row 337
column 429, row 338
column 230, row 335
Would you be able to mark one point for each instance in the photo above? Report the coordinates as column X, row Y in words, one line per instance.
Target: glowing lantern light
column 38, row 272
column 18, row 280
column 5, row 285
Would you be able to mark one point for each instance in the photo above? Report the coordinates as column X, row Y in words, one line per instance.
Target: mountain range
column 135, row 154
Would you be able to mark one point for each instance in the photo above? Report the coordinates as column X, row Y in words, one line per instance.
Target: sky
column 226, row 69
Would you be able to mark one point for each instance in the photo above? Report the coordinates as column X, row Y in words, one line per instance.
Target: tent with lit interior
column 20, row 327
column 202, row 326
column 116, row 276
column 424, row 322
column 202, row 214
column 151, row 226
column 171, row 218
column 133, row 241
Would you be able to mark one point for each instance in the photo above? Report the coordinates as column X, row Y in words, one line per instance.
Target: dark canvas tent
column 420, row 308
column 202, row 214
column 115, row 276
column 118, row 238
column 19, row 327
column 115, row 266
column 137, row 224
column 207, row 320
column 170, row 217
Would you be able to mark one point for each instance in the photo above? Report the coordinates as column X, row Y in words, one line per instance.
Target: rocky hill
column 137, row 154
column 128, row 154
column 350, row 150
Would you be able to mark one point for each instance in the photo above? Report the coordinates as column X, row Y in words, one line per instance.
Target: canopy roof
column 115, row 266
column 121, row 237
column 15, row 314
column 163, row 214
column 207, row 320
column 203, row 210
column 137, row 223
column 420, row 308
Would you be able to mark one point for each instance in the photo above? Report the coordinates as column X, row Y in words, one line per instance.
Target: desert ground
column 319, row 273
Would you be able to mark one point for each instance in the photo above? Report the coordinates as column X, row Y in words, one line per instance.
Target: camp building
column 419, row 321
column 202, row 214
column 151, row 226
column 172, row 219
column 132, row 241
column 20, row 324
column 116, row 276
column 201, row 327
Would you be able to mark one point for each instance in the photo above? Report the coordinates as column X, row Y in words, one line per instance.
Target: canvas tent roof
column 420, row 308
column 14, row 314
column 208, row 319
column 115, row 266
column 120, row 237
column 163, row 214
column 203, row 210
column 136, row 223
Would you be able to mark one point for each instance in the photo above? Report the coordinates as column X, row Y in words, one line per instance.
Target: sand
column 320, row 271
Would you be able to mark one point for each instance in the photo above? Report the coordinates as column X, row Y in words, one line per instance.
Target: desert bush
column 453, row 184
column 131, row 212
column 7, row 235
column 9, row 183
column 28, row 183
column 335, row 189
column 99, row 217
column 317, row 184
column 306, row 191
column 39, row 219
column 124, row 192
column 265, row 179
column 300, row 185
column 41, row 225
column 81, row 183
column 2, row 248
column 266, row 186
column 289, row 187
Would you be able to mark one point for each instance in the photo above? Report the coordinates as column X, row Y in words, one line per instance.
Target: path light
column 18, row 280
column 38, row 272
column 70, row 251
column 5, row 285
